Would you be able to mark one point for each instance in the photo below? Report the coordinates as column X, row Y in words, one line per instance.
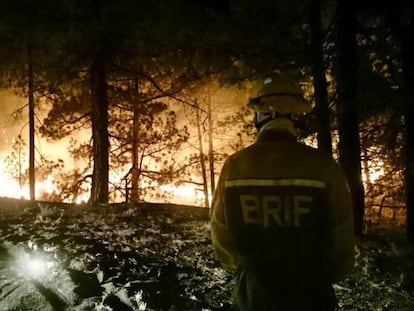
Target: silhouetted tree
column 402, row 20
column 319, row 78
column 348, row 120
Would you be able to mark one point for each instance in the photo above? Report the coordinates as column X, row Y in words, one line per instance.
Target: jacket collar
column 278, row 129
column 281, row 125
column 273, row 135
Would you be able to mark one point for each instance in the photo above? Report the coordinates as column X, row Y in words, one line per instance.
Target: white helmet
column 277, row 96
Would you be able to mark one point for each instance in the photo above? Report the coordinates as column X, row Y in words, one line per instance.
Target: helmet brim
column 282, row 104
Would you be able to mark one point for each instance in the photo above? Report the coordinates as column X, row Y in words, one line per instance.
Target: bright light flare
column 35, row 267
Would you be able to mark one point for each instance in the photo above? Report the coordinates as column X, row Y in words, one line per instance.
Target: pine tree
column 348, row 119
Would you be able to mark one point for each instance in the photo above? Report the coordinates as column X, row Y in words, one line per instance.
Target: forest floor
column 157, row 257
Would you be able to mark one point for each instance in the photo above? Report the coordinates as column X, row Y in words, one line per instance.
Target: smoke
column 12, row 123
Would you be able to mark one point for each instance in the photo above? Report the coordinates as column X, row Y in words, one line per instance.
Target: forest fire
column 117, row 118
column 182, row 194
column 53, row 183
column 11, row 188
column 15, row 184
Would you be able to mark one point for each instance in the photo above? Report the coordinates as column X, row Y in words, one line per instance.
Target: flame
column 185, row 193
column 9, row 187
column 82, row 198
column 12, row 189
column 374, row 172
column 181, row 194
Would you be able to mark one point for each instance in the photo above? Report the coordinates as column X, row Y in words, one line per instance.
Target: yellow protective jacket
column 283, row 207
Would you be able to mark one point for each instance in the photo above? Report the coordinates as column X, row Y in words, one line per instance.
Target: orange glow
column 224, row 100
column 186, row 194
column 182, row 194
column 374, row 173
column 11, row 188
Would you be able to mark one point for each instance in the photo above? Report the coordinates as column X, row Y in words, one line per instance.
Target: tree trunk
column 135, row 143
column 319, row 78
column 406, row 35
column 409, row 149
column 32, row 177
column 99, row 191
column 404, row 29
column 365, row 162
column 348, row 120
column 202, row 162
column 210, row 144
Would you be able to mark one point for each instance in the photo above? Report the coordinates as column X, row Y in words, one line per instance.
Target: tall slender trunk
column 135, row 143
column 348, row 119
column 365, row 166
column 210, row 143
column 406, row 36
column 32, row 175
column 202, row 158
column 319, row 78
column 409, row 152
column 404, row 29
column 100, row 179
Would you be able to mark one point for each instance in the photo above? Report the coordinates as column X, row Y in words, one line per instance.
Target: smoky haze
column 10, row 126
column 225, row 101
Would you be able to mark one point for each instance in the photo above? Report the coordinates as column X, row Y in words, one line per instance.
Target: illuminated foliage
column 159, row 139
column 382, row 163
column 15, row 160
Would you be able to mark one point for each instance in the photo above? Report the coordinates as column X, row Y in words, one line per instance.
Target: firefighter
column 281, row 215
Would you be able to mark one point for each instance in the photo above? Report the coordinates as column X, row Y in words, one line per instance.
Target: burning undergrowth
column 152, row 257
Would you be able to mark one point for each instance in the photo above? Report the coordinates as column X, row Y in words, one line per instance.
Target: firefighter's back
column 276, row 194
